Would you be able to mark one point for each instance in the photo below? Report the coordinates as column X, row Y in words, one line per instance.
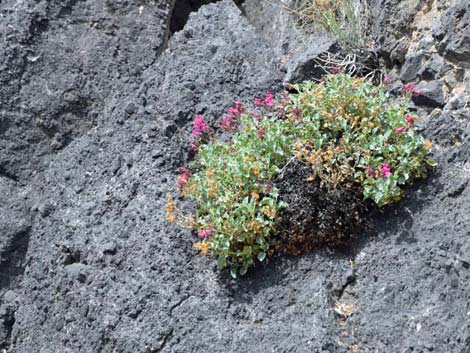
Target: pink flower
column 408, row 88
column 335, row 70
column 233, row 113
column 411, row 88
column 226, row 124
column 259, row 102
column 269, row 99
column 400, row 129
column 205, row 233
column 238, row 105
column 183, row 179
column 199, row 127
column 370, row 171
column 386, row 169
column 229, row 121
column 386, row 80
column 297, row 112
column 260, row 133
column 409, row 119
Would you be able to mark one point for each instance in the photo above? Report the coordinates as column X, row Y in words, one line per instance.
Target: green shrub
column 348, row 132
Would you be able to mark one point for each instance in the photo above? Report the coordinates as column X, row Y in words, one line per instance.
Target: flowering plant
column 356, row 137
column 349, row 133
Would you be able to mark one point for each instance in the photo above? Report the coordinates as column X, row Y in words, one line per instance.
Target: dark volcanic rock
column 411, row 67
column 452, row 33
column 432, row 94
column 95, row 119
column 392, row 27
column 305, row 66
column 154, row 293
column 61, row 60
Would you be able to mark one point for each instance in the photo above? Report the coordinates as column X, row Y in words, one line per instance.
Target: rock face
column 96, row 107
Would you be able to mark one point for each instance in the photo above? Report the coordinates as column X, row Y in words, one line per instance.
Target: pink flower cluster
column 204, row 233
column 335, row 70
column 401, row 129
column 183, row 178
column 386, row 170
column 229, row 121
column 200, row 128
column 207, row 232
column 297, row 112
column 267, row 101
column 386, row 80
column 410, row 88
column 382, row 170
column 409, row 122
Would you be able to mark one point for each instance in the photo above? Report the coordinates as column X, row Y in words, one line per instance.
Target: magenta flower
column 335, row 70
column 204, row 233
column 269, row 99
column 260, row 133
column 229, row 121
column 386, row 169
column 199, row 127
column 233, row 113
column 226, row 124
column 411, row 88
column 183, row 179
column 400, row 129
column 297, row 112
column 409, row 119
column 259, row 102
column 408, row 88
column 238, row 105
column 386, row 80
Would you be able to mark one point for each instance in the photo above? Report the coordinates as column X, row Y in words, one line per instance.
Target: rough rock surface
column 95, row 112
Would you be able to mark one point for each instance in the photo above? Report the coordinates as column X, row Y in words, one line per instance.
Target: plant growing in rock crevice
column 344, row 20
column 344, row 139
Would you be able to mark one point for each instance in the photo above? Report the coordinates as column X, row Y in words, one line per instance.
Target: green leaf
column 261, row 256
column 221, row 262
column 233, row 273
